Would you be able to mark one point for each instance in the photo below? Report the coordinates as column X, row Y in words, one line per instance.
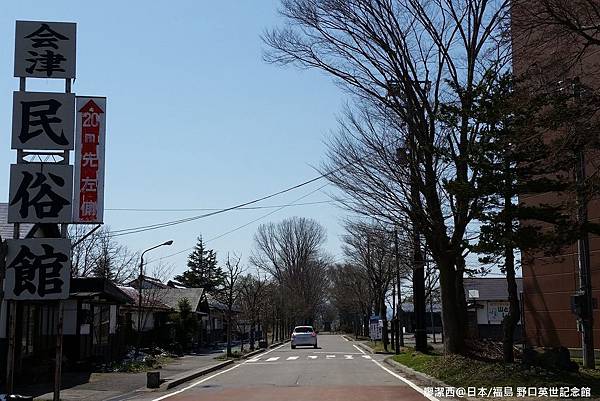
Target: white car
column 304, row 335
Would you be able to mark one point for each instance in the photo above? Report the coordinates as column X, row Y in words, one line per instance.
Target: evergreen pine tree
column 203, row 271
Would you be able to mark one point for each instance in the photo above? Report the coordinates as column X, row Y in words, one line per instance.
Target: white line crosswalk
column 307, row 357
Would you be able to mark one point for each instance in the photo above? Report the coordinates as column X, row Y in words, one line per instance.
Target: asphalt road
column 338, row 370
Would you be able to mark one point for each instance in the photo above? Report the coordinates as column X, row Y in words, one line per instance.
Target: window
column 101, row 324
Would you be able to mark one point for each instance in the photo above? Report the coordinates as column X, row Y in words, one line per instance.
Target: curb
column 173, row 381
column 255, row 352
column 428, row 380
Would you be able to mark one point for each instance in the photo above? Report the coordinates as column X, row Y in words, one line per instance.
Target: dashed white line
column 366, row 356
column 292, row 358
column 312, row 357
column 330, row 356
column 348, row 356
column 273, row 359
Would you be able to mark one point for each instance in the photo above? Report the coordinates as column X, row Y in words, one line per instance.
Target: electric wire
column 293, row 203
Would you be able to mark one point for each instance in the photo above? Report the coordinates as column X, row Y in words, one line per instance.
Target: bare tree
column 229, row 294
column 409, row 63
column 291, row 253
column 351, row 295
column 369, row 246
column 99, row 254
column 253, row 291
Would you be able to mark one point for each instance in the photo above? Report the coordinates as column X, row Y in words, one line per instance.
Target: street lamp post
column 139, row 284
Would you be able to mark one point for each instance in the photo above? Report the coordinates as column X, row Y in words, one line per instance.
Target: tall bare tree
column 405, row 61
column 253, row 298
column 291, row 253
column 229, row 293
column 370, row 247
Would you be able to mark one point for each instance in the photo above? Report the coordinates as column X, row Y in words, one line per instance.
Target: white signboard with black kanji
column 43, row 120
column 90, row 140
column 38, row 269
column 45, row 49
column 40, row 193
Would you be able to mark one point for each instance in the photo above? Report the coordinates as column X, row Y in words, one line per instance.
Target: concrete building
column 553, row 57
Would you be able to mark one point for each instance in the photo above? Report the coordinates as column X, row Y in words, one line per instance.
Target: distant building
column 487, row 304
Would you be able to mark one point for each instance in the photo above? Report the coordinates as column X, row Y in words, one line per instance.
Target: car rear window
column 303, row 330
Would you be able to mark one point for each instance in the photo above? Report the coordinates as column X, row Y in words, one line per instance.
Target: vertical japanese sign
column 38, row 269
column 88, row 194
column 45, row 49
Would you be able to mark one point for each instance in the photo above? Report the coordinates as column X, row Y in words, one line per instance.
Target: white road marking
column 358, row 348
column 254, row 360
column 330, row 356
column 366, row 356
column 312, row 357
column 292, row 358
column 344, row 337
column 411, row 384
column 210, row 377
column 348, row 356
column 336, row 352
column 273, row 359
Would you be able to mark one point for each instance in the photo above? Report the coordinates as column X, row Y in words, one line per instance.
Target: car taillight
column 313, row 334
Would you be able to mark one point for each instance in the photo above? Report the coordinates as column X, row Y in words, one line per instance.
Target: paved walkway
column 116, row 386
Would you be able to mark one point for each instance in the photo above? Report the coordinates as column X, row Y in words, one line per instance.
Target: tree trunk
column 453, row 331
column 229, row 334
column 384, row 331
column 511, row 320
column 461, row 300
column 252, row 333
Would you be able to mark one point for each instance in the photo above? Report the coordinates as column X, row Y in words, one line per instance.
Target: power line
column 212, row 209
column 134, row 230
column 293, row 203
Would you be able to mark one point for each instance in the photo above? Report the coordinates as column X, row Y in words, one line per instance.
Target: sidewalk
column 117, row 385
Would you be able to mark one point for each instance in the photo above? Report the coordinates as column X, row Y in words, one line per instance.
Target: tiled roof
column 6, row 229
column 491, row 289
column 171, row 296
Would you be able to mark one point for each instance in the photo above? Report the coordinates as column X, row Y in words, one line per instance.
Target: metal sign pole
column 61, row 309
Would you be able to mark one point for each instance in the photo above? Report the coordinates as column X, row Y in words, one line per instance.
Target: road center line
column 210, row 377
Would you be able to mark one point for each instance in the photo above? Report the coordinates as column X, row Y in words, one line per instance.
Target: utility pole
column 418, row 283
column 583, row 246
column 399, row 311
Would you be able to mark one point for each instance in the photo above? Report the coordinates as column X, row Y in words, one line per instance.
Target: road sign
column 38, row 269
column 375, row 328
column 45, row 49
column 88, row 191
column 40, row 193
column 43, row 120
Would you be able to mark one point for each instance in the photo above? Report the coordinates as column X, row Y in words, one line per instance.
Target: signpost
column 88, row 194
column 375, row 328
column 39, row 269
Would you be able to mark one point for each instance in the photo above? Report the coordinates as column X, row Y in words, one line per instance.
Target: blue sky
column 196, row 118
